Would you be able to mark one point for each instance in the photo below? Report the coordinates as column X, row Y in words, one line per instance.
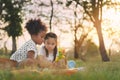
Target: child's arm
column 29, row 61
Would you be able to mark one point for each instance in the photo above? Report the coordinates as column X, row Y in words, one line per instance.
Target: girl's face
column 39, row 38
column 50, row 44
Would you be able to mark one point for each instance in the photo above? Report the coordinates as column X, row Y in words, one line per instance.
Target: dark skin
column 30, row 54
column 30, row 61
column 38, row 39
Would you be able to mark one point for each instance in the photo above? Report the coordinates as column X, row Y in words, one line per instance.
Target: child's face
column 50, row 44
column 39, row 38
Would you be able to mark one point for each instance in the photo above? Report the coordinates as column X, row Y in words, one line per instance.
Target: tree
column 93, row 9
column 11, row 14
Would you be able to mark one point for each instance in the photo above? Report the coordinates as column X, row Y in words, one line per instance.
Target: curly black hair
column 34, row 26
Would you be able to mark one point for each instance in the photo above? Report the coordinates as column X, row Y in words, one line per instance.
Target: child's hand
column 30, row 54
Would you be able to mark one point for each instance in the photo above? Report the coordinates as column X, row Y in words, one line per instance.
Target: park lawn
column 93, row 70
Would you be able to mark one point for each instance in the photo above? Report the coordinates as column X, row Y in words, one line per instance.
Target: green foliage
column 13, row 18
column 1, row 51
column 92, row 49
column 11, row 15
column 102, row 71
column 4, row 54
column 69, row 3
column 5, row 75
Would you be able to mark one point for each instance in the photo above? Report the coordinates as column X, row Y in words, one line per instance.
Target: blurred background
column 85, row 28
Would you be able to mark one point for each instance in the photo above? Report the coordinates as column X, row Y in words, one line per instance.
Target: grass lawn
column 95, row 69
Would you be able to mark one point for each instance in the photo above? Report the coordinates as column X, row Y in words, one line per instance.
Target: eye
column 53, row 43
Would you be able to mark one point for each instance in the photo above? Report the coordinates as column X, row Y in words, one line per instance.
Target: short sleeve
column 32, row 47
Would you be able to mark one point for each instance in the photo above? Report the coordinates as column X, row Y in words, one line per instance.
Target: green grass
column 5, row 75
column 94, row 70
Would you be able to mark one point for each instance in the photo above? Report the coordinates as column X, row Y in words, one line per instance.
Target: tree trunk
column 76, row 52
column 75, row 48
column 0, row 11
column 101, row 42
column 14, row 48
column 51, row 16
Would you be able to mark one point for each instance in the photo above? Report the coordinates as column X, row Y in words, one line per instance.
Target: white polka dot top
column 21, row 53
